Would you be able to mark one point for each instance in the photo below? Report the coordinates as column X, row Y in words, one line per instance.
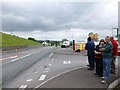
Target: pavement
column 77, row 78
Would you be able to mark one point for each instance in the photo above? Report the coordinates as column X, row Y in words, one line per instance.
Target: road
column 31, row 68
column 44, row 67
column 15, row 63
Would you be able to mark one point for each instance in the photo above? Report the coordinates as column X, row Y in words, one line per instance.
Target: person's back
column 115, row 47
column 90, row 52
column 90, row 47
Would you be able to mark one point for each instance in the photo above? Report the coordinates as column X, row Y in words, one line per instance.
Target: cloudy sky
column 56, row 20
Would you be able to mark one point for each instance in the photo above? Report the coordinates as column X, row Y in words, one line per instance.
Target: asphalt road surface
column 47, row 67
column 32, row 68
column 15, row 63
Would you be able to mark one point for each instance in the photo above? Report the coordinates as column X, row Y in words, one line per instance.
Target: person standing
column 99, row 58
column 114, row 53
column 107, row 59
column 90, row 46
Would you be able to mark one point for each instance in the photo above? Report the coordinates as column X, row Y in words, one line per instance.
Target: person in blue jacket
column 90, row 47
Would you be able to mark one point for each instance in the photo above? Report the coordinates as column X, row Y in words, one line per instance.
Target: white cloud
column 48, row 20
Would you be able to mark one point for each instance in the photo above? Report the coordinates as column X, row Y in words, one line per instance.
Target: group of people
column 102, row 57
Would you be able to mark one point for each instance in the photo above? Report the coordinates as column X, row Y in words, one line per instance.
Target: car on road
column 65, row 44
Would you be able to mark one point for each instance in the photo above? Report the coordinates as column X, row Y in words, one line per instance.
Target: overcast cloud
column 48, row 20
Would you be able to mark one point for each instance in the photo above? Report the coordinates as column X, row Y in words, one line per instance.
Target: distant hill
column 12, row 40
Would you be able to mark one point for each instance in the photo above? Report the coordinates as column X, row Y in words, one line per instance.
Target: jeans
column 107, row 66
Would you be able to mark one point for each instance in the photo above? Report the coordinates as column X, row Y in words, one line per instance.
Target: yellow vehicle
column 79, row 46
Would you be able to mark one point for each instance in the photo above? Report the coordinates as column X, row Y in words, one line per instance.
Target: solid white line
column 38, row 86
column 113, row 84
column 42, row 77
column 23, row 56
column 20, row 58
column 23, row 86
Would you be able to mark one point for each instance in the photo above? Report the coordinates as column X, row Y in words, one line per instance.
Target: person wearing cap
column 114, row 53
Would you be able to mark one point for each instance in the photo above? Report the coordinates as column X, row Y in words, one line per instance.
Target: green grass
column 11, row 40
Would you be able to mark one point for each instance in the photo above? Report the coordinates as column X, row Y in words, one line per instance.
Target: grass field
column 11, row 40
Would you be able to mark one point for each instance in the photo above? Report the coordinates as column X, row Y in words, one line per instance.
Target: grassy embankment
column 11, row 40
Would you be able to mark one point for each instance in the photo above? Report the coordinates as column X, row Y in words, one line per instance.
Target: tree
column 31, row 39
column 64, row 40
column 48, row 41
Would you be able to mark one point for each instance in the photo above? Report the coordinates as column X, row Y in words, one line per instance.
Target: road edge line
column 114, row 84
column 38, row 86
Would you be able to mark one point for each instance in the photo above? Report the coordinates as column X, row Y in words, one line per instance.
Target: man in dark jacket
column 90, row 46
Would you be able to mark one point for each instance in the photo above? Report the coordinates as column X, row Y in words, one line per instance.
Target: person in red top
column 114, row 53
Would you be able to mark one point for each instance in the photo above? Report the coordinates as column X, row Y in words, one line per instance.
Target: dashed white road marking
column 50, row 55
column 49, row 64
column 66, row 62
column 47, row 69
column 42, row 77
column 38, row 86
column 36, row 72
column 23, row 87
column 29, row 80
column 20, row 58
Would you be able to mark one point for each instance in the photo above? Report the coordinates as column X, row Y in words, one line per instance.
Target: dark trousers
column 99, row 66
column 91, row 61
column 113, row 64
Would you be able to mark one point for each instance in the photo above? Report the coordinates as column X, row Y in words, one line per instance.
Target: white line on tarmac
column 66, row 62
column 8, row 57
column 23, row 87
column 38, row 86
column 13, row 56
column 29, row 80
column 24, row 56
column 20, row 58
column 50, row 55
column 47, row 69
column 49, row 64
column 42, row 77
column 36, row 72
